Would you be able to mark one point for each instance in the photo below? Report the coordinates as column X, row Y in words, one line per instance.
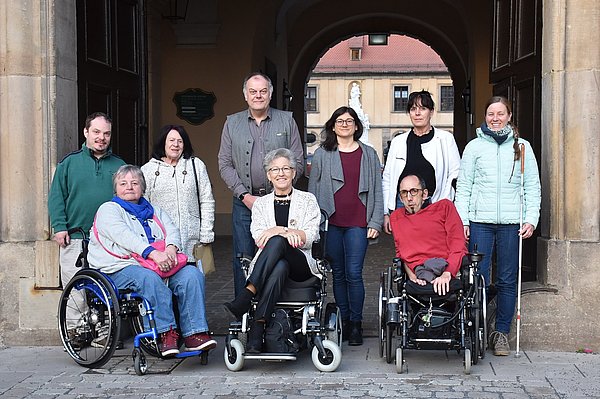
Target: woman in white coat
column 171, row 185
column 424, row 151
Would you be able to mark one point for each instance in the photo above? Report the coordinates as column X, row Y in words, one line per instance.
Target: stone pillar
column 38, row 83
column 566, row 319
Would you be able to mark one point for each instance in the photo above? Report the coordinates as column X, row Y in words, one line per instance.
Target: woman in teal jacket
column 488, row 196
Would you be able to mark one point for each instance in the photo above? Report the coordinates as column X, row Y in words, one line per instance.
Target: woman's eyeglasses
column 348, row 122
column 276, row 170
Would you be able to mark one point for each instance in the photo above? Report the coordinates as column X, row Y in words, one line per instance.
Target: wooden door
column 516, row 74
column 111, row 71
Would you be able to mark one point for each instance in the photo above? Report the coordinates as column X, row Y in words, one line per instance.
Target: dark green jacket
column 80, row 185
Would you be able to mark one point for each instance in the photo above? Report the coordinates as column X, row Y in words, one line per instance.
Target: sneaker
column 101, row 337
column 499, row 342
column 169, row 345
column 200, row 341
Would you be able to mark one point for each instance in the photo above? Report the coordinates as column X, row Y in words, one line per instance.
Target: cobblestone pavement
column 47, row 372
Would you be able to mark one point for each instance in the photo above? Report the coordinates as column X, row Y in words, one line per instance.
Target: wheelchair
column 415, row 317
column 90, row 333
column 317, row 324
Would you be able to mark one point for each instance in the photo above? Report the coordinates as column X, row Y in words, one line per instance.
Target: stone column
column 38, row 82
column 570, row 224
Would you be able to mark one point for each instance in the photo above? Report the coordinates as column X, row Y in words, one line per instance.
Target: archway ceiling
column 312, row 26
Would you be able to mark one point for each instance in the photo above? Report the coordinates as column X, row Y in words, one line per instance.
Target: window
column 311, row 99
column 446, row 98
column 400, row 98
column 355, row 54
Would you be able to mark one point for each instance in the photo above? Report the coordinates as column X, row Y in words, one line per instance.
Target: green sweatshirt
column 80, row 185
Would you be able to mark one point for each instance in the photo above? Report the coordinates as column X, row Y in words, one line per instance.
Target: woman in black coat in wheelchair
column 284, row 225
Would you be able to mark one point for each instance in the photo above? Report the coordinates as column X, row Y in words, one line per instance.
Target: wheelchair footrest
column 270, row 356
column 184, row 354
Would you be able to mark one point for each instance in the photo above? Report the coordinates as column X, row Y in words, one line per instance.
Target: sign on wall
column 195, row 105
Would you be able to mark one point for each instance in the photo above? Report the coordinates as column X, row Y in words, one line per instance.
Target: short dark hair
column 158, row 151
column 329, row 136
column 424, row 96
column 91, row 117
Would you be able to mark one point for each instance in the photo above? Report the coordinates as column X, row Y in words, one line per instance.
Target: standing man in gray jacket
column 247, row 137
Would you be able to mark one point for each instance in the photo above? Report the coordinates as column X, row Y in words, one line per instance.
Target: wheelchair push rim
column 89, row 338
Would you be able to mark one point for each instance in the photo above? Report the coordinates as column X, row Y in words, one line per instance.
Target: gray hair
column 134, row 170
column 255, row 74
column 279, row 153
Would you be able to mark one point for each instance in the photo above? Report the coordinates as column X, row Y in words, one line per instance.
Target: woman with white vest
column 425, row 151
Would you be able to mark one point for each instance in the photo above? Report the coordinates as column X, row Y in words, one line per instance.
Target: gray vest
column 278, row 135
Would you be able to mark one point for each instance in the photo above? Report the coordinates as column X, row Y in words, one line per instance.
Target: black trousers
column 277, row 262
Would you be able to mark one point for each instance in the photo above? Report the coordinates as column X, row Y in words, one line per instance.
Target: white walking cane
column 522, row 153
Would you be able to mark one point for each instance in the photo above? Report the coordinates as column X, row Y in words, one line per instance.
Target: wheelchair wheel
column 333, row 323
column 483, row 329
column 467, row 361
column 389, row 343
column 234, row 360
column 88, row 317
column 139, row 362
column 400, row 365
column 479, row 336
column 148, row 345
column 332, row 358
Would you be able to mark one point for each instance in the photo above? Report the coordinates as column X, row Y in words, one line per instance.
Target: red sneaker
column 169, row 345
column 200, row 341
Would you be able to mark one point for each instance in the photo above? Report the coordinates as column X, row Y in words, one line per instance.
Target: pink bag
column 149, row 263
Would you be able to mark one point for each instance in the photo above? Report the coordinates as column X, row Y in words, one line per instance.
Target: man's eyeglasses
column 348, row 122
column 413, row 192
column 276, row 170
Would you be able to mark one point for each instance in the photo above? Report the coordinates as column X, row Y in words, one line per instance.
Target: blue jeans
column 243, row 243
column 505, row 237
column 188, row 287
column 347, row 247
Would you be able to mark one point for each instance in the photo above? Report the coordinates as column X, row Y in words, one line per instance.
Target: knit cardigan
column 304, row 215
column 173, row 189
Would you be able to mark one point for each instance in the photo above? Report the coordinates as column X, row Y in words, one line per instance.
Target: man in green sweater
column 82, row 182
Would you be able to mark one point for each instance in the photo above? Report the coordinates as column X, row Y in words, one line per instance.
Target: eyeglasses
column 276, row 170
column 348, row 122
column 413, row 192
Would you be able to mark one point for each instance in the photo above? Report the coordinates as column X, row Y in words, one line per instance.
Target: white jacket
column 304, row 215
column 173, row 189
column 442, row 154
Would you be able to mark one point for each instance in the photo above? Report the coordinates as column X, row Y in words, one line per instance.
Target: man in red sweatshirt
column 429, row 237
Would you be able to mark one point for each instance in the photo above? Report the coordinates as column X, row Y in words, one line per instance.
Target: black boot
column 255, row 337
column 240, row 304
column 356, row 337
column 346, row 329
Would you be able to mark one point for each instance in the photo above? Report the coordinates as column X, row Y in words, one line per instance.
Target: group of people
column 127, row 209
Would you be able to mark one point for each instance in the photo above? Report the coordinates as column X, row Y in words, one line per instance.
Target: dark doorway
column 516, row 67
column 111, row 71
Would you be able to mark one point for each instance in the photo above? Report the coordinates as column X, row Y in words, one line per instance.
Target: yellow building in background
column 385, row 75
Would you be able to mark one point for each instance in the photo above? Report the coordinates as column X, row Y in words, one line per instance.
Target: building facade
column 60, row 59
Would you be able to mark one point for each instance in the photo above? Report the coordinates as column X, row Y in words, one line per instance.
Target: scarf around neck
column 499, row 135
column 143, row 211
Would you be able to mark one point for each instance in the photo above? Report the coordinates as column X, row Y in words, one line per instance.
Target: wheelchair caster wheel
column 234, row 359
column 204, row 358
column 139, row 362
column 332, row 358
column 400, row 364
column 467, row 361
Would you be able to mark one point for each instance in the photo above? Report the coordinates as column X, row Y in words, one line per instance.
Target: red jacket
column 436, row 231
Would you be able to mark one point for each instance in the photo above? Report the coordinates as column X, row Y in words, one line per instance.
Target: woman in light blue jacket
column 488, row 200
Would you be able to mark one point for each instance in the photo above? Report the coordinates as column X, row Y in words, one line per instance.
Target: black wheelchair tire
column 101, row 300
